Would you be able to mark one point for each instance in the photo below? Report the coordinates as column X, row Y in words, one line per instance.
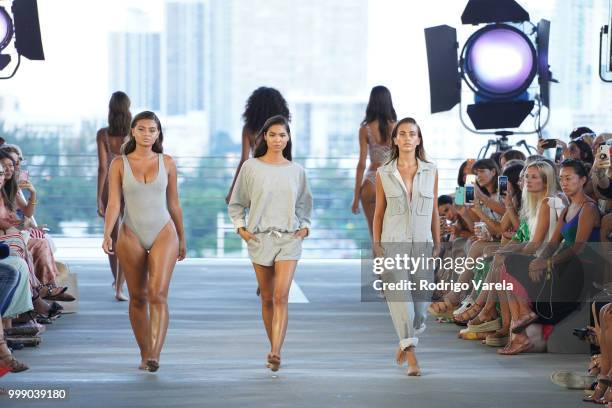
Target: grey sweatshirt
column 277, row 197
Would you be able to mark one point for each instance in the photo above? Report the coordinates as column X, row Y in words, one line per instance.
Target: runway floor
column 339, row 352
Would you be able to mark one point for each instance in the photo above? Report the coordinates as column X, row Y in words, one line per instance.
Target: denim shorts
column 274, row 246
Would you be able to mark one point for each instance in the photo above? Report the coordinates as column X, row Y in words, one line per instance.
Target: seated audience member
column 464, row 170
column 454, row 224
column 538, row 219
column 511, row 155
column 509, row 226
column 580, row 131
column 39, row 247
column 496, row 157
column 9, row 280
column 578, row 223
column 603, row 390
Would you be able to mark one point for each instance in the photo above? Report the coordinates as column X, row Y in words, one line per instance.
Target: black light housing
column 27, row 30
column 486, row 12
column 24, row 30
column 499, row 62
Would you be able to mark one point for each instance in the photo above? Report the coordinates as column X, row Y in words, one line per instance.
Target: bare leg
column 112, row 259
column 118, row 275
column 265, row 279
column 520, row 341
column 283, row 275
column 133, row 259
column 162, row 259
column 368, row 202
column 605, row 344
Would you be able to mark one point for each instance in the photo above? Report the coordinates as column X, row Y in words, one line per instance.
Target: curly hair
column 264, row 103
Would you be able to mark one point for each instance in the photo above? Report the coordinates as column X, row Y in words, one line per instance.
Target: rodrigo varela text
column 425, row 285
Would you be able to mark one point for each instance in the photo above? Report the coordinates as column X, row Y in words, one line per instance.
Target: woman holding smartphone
column 275, row 191
column 406, row 220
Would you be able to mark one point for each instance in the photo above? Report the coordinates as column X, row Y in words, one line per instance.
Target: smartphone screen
column 24, row 175
column 459, row 195
column 502, row 183
column 558, row 154
column 549, row 143
column 469, row 193
column 604, row 152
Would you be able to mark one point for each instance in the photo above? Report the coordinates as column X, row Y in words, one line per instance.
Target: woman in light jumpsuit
column 406, row 221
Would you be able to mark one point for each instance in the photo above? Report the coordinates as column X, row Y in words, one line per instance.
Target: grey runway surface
column 339, row 352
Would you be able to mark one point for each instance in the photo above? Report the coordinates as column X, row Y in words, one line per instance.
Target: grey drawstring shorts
column 274, row 246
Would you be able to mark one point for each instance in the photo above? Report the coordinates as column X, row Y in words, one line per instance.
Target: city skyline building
column 312, row 52
column 185, row 60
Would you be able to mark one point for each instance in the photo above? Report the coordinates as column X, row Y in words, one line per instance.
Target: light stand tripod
column 501, row 144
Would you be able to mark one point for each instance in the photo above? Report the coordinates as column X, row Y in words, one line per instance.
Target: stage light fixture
column 605, row 50
column 499, row 63
column 24, row 29
column 6, row 28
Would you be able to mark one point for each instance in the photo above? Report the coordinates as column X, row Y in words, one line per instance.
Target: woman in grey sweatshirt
column 276, row 193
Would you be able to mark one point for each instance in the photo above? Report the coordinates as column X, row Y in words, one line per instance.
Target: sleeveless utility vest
column 408, row 221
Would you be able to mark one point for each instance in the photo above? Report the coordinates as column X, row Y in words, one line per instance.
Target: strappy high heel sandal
column 152, row 365
column 469, row 314
column 273, row 362
column 11, row 363
column 522, row 323
column 603, row 383
column 62, row 296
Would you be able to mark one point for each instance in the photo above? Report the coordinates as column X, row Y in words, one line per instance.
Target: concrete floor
column 338, row 353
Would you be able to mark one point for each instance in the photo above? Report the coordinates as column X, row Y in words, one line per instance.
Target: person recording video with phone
column 601, row 175
column 487, row 203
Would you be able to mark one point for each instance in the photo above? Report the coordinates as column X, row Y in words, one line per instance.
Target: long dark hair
column 10, row 187
column 130, row 145
column 119, row 116
column 579, row 167
column 264, row 103
column 513, row 172
column 420, row 149
column 262, row 146
column 488, row 164
column 460, row 175
column 380, row 107
column 586, row 154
